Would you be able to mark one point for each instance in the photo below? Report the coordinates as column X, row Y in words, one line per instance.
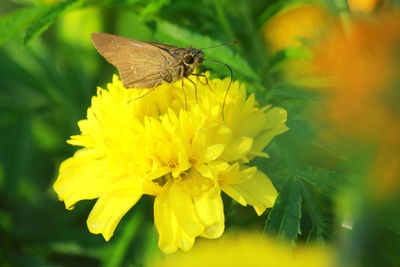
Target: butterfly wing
column 140, row 64
column 165, row 47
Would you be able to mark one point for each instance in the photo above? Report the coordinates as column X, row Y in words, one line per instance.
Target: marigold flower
column 183, row 156
column 248, row 249
column 363, row 6
column 295, row 25
column 297, row 28
column 363, row 63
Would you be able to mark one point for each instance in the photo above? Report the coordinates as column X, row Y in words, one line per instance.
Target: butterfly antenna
column 228, row 43
column 229, row 85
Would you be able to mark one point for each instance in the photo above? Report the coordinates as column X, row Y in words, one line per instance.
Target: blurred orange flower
column 385, row 174
column 363, row 6
column 295, row 25
column 363, row 62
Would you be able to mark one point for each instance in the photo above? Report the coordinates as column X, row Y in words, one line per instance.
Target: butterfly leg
column 195, row 88
column 150, row 90
column 200, row 75
column 182, row 71
column 206, row 83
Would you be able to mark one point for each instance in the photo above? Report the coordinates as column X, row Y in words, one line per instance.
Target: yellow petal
column 180, row 199
column 276, row 118
column 151, row 188
column 157, row 172
column 109, row 208
column 205, row 170
column 234, row 194
column 213, row 152
column 210, row 211
column 81, row 140
column 84, row 176
column 236, row 174
column 212, row 169
column 257, row 191
column 165, row 221
column 223, row 135
column 171, row 235
column 238, row 148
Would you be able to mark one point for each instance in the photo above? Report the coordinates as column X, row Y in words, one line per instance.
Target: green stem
column 224, row 21
column 344, row 13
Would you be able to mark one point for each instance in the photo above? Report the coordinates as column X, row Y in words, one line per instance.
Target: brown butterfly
column 147, row 65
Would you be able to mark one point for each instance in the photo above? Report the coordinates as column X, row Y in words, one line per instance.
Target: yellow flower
column 297, row 28
column 363, row 6
column 296, row 25
column 248, row 249
column 183, row 156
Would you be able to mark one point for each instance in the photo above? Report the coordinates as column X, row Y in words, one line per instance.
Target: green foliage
column 11, row 23
column 48, row 16
column 277, row 6
column 46, row 83
column 284, row 218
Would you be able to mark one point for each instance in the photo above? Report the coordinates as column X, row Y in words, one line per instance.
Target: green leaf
column 290, row 53
column 324, row 180
column 285, row 90
column 319, row 229
column 278, row 6
column 152, row 8
column 48, row 16
column 284, row 218
column 174, row 35
column 45, row 134
column 15, row 21
column 116, row 253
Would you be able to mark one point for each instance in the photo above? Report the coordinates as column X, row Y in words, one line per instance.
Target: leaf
column 286, row 90
column 290, row 53
column 45, row 134
column 278, row 6
column 115, row 254
column 319, row 222
column 172, row 34
column 152, row 8
column 284, row 218
column 48, row 16
column 15, row 21
column 18, row 142
column 324, row 180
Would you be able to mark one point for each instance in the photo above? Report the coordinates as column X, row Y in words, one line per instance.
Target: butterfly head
column 193, row 57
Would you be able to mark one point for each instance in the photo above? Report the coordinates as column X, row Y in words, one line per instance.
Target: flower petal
column 212, row 169
column 236, row 174
column 210, row 210
column 84, row 176
column 275, row 119
column 111, row 207
column 238, row 149
column 213, row 152
column 257, row 191
column 184, row 209
column 171, row 235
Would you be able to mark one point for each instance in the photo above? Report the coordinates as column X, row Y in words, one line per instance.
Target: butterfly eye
column 188, row 59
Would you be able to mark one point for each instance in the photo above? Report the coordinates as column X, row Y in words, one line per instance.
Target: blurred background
column 334, row 65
